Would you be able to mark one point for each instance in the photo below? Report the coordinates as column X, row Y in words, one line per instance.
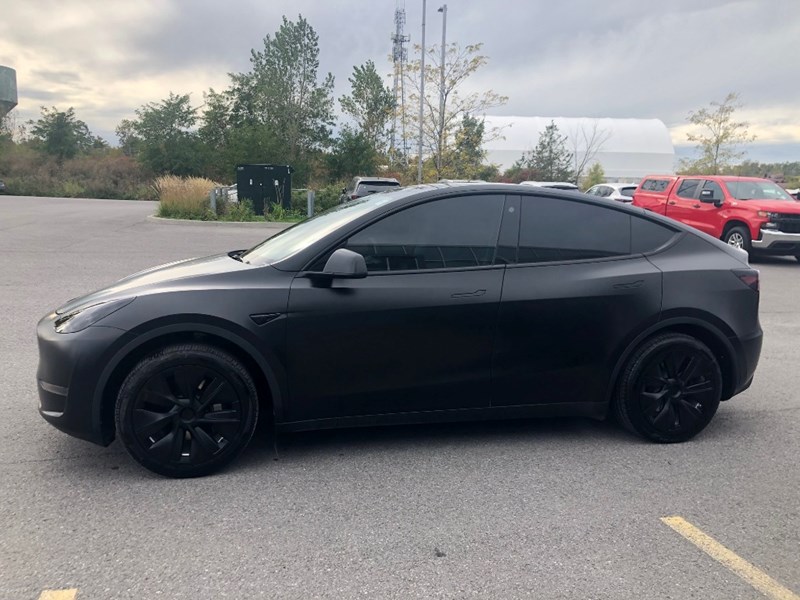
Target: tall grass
column 184, row 198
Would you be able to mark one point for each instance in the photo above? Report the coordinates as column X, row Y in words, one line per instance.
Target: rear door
column 577, row 293
column 685, row 205
column 416, row 334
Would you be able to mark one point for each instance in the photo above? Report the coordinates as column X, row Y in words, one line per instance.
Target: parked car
column 364, row 186
column 753, row 214
column 431, row 303
column 556, row 185
column 622, row 192
column 2, row 187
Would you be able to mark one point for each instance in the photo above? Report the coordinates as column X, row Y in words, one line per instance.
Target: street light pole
column 421, row 97
column 442, row 10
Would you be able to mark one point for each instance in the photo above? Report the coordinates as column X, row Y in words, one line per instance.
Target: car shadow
column 401, row 438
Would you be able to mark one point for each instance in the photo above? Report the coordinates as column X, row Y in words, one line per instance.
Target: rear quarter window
column 647, row 236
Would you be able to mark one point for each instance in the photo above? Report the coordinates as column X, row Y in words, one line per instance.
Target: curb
column 194, row 223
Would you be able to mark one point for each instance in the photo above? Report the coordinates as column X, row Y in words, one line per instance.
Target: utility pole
column 442, row 10
column 421, row 96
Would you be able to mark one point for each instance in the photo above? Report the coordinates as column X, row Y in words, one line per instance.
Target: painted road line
column 59, row 595
column 750, row 573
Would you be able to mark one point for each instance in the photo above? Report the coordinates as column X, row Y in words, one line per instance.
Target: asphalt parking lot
column 567, row 508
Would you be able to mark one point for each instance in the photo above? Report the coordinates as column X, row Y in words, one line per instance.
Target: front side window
column 450, row 233
column 558, row 230
column 716, row 189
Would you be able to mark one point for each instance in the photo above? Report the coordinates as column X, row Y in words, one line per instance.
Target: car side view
column 430, row 303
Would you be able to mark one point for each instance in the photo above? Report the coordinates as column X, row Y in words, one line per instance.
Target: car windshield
column 757, row 190
column 293, row 240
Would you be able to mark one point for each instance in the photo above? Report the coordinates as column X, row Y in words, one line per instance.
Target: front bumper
column 70, row 377
column 777, row 240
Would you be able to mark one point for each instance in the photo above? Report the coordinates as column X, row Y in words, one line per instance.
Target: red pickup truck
column 754, row 214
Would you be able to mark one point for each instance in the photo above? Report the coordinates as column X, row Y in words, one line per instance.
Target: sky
column 573, row 58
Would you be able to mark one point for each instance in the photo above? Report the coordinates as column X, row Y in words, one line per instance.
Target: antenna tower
column 399, row 60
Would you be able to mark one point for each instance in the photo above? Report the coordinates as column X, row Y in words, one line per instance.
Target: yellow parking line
column 750, row 573
column 58, row 595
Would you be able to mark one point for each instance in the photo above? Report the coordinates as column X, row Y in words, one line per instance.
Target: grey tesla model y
column 430, row 303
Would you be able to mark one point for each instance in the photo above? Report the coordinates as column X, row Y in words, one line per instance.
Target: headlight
column 83, row 317
column 769, row 215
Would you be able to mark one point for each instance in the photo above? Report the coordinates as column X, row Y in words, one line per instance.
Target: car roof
column 549, row 183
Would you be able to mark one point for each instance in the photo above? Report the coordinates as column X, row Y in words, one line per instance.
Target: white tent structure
column 632, row 148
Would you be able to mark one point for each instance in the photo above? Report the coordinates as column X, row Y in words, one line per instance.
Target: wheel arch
column 735, row 222
column 266, row 377
column 708, row 333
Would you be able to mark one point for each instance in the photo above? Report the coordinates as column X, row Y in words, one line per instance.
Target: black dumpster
column 265, row 185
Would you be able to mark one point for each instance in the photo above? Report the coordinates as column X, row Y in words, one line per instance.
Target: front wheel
column 670, row 389
column 738, row 237
column 187, row 410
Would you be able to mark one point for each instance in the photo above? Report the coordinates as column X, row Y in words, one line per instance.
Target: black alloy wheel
column 187, row 410
column 670, row 389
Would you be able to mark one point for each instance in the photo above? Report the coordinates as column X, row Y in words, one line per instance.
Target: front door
column 416, row 334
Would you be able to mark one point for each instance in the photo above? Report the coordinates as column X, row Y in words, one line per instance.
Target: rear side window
column 449, row 233
column 647, row 235
column 655, row 185
column 552, row 229
column 688, row 188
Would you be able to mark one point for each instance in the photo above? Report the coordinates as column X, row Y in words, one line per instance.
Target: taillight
column 749, row 277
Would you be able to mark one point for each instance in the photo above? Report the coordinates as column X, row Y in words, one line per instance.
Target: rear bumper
column 68, row 378
column 747, row 359
column 777, row 241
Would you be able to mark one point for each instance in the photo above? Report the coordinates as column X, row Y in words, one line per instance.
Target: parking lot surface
column 566, row 508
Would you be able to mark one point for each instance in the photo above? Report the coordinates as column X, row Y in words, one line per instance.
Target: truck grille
column 788, row 223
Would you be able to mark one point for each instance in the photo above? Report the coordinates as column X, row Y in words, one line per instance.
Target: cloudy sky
column 616, row 58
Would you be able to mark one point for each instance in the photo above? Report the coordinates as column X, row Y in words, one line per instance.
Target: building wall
column 632, row 148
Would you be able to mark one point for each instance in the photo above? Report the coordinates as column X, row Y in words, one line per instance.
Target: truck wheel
column 738, row 237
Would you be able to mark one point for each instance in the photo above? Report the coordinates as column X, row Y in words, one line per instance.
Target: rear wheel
column 670, row 389
column 739, row 237
column 187, row 410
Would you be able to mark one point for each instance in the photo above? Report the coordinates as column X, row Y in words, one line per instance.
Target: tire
column 186, row 411
column 738, row 236
column 669, row 390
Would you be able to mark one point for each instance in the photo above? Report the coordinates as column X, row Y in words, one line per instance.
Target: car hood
column 177, row 272
column 779, row 206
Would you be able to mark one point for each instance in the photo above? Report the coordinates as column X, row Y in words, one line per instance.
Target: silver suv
column 364, row 186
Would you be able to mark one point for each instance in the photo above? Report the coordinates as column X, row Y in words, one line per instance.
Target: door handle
column 629, row 285
column 475, row 294
column 672, row 203
column 695, row 206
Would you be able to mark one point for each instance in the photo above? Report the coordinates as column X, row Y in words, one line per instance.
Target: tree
column 585, row 143
column 594, row 176
column 61, row 134
column 466, row 159
column 550, row 160
column 162, row 137
column 282, row 91
column 719, row 136
column 370, row 104
column 460, row 64
column 353, row 154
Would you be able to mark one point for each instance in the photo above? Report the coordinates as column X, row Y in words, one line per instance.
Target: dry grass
column 183, row 198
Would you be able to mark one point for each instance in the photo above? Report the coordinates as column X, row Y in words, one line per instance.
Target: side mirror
column 345, row 264
column 708, row 197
